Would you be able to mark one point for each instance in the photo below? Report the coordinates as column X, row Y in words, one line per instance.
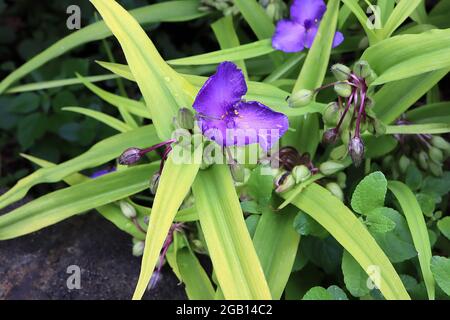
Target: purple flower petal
column 255, row 122
column 310, row 35
column 222, row 90
column 216, row 130
column 307, row 12
column 288, row 36
column 102, row 172
column 338, row 39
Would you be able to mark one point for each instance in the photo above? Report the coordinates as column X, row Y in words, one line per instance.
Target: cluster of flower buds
column 227, row 7
column 294, row 168
column 351, row 114
column 275, row 9
column 184, row 120
column 425, row 151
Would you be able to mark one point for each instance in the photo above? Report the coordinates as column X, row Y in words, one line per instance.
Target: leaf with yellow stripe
column 345, row 227
column 235, row 261
column 174, row 184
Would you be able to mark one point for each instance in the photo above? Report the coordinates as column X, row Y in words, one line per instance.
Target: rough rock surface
column 35, row 266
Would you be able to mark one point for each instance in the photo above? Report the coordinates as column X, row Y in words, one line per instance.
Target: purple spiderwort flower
column 298, row 32
column 227, row 119
column 102, row 172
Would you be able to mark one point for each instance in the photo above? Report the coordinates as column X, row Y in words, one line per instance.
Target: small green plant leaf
column 379, row 222
column 355, row 277
column 440, row 267
column 337, row 293
column 397, row 243
column 444, row 226
column 318, row 293
column 369, row 193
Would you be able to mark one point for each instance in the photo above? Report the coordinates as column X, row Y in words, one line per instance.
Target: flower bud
column 276, row 9
column 237, row 172
column 343, row 89
column 341, row 179
column 436, row 154
column 331, row 114
column 436, row 169
column 423, row 160
column 371, row 77
column 377, row 128
column 338, row 153
column 301, row 173
column 138, row 248
column 130, row 156
column 440, row 143
column 330, row 167
column 301, row 98
column 154, row 182
column 341, row 72
column 284, row 182
column 336, row 190
column 362, row 69
column 127, row 210
column 330, row 136
column 403, row 163
column 356, row 150
column 198, row 246
column 185, row 119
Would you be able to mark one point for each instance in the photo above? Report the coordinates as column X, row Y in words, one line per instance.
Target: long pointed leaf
column 174, row 184
column 245, row 51
column 62, row 204
column 343, row 225
column 98, row 154
column 163, row 89
column 235, row 262
column 101, row 117
column 276, row 243
column 418, row 228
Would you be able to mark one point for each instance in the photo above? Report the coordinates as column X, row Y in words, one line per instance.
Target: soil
column 35, row 266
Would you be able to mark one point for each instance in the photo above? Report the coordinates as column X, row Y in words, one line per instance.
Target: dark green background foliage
column 33, row 122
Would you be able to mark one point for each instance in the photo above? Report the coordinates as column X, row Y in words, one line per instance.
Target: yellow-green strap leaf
column 174, row 184
column 345, row 227
column 418, row 228
column 233, row 255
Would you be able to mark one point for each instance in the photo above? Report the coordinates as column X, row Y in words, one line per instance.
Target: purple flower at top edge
column 227, row 119
column 298, row 32
column 102, row 172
